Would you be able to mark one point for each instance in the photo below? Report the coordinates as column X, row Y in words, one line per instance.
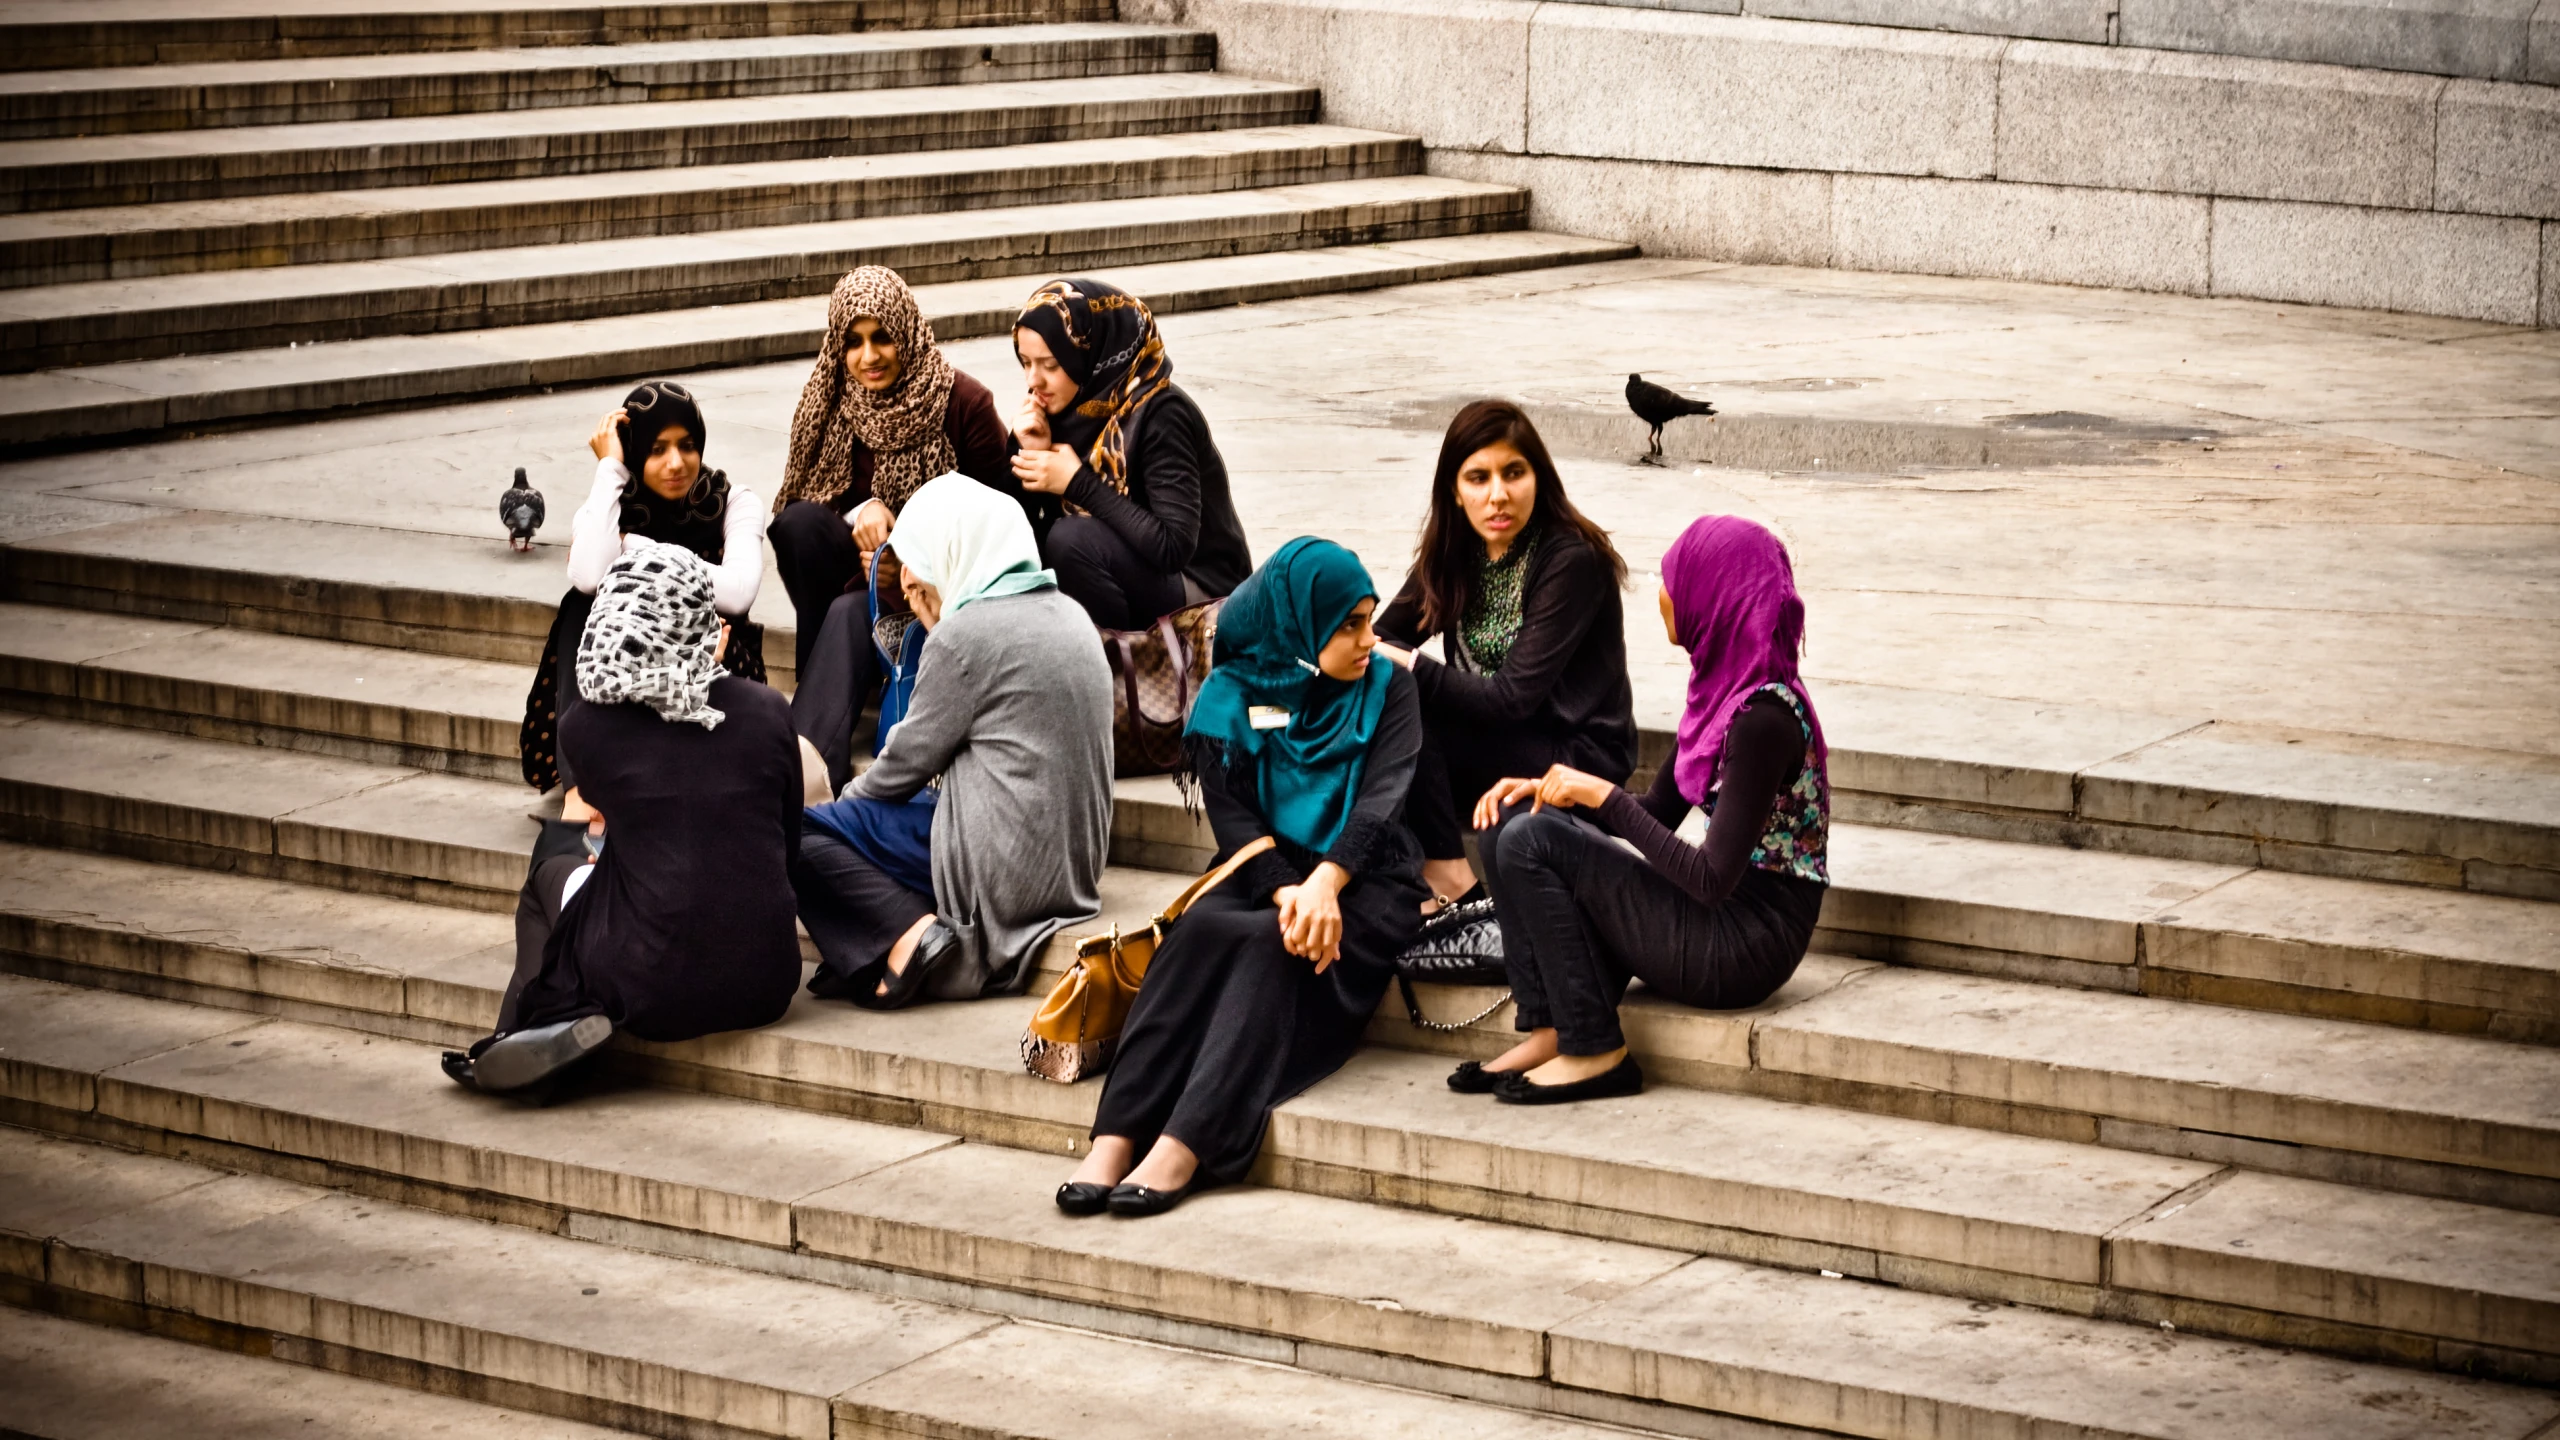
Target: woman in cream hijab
column 984, row 825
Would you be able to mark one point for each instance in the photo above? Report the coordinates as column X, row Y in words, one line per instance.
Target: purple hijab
column 1735, row 606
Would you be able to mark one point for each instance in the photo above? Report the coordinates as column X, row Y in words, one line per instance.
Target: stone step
column 62, row 174
column 330, row 226
column 2400, row 955
column 760, row 1187
column 106, row 321
column 605, row 1334
column 51, row 408
column 70, row 1381
column 60, row 34
column 130, row 99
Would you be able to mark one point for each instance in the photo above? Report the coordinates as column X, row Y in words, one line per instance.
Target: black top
column 1762, row 754
column 977, row 436
column 1566, row 675
column 1178, row 514
column 1374, row 840
column 685, row 927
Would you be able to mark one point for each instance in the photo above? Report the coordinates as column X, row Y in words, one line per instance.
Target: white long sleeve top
column 596, row 541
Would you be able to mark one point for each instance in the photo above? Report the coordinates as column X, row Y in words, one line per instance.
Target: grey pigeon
column 521, row 510
column 1657, row 407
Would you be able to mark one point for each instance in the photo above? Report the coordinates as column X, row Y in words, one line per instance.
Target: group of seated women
column 702, row 814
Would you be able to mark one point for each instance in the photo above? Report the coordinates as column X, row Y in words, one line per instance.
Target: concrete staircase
column 233, row 219
column 2246, row 1100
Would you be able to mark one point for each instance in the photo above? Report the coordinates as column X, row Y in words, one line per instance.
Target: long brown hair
column 1445, row 560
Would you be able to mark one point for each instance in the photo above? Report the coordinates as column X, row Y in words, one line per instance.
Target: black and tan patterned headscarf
column 1106, row 340
column 902, row 427
column 653, row 637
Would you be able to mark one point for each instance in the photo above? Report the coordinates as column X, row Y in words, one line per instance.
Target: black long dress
column 686, row 926
column 1229, row 1023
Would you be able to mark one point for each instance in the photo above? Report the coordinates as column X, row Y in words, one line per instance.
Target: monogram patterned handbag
column 1155, row 675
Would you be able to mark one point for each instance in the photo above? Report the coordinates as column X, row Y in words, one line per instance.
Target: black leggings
column 813, row 551
column 854, row 913
column 1113, row 582
column 839, row 670
column 1582, row 915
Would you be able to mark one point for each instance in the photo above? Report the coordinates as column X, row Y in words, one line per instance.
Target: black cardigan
column 1178, row 514
column 1566, row 675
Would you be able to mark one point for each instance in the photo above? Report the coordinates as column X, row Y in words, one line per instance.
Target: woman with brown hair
column 1522, row 589
column 883, row 412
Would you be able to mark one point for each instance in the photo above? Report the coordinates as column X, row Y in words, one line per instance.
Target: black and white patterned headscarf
column 653, row 636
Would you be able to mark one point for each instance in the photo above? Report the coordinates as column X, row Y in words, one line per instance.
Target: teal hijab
column 1269, row 634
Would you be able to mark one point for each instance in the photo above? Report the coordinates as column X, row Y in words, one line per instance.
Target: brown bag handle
column 1212, row 880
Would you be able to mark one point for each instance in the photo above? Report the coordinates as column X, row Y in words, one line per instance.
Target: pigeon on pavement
column 521, row 510
column 1657, row 407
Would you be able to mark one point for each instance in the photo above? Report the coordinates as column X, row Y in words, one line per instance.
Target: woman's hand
column 1400, row 656
column 1504, row 793
column 1046, row 471
column 871, row 522
column 1311, row 915
column 1031, row 427
column 1565, row 787
column 606, row 442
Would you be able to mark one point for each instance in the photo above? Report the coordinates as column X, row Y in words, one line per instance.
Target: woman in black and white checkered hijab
column 654, row 637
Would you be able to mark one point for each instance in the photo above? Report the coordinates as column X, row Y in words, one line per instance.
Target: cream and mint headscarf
column 968, row 542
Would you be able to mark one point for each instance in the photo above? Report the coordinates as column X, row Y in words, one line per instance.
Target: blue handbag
column 900, row 645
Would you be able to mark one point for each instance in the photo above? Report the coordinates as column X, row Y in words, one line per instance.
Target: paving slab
column 610, row 1327
column 55, row 1039
column 2430, row 1267
column 69, row 1381
column 1881, row 1361
column 2445, row 1099
column 1978, row 749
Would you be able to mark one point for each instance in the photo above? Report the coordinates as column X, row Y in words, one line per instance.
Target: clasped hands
column 1042, row 465
column 1311, row 915
column 1562, row 786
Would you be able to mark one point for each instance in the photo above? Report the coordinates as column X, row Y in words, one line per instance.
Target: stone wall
column 1778, row 141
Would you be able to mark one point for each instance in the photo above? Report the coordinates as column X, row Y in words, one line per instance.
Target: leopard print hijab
column 652, row 637
column 903, row 428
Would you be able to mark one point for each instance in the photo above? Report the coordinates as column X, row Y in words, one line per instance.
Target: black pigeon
column 1658, row 407
column 521, row 510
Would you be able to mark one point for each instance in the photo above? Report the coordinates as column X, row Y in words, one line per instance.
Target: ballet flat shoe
column 1471, row 1078
column 1138, row 1200
column 1624, row 1079
column 1083, row 1197
column 516, row 1060
column 905, row 987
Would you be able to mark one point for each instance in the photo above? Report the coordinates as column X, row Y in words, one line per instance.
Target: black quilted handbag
column 1460, row 945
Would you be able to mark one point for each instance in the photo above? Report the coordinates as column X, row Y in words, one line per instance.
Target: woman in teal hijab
column 1300, row 734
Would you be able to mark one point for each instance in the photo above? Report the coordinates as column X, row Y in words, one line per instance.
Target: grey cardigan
column 1012, row 709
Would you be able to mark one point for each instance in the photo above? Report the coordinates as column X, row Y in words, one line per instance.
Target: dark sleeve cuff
column 1357, row 849
column 1081, row 490
column 1265, row 873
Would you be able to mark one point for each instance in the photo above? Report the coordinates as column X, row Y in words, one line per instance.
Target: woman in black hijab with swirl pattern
column 1125, row 485
column 668, row 497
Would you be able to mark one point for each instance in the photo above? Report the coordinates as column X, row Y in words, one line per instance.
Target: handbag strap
column 1413, row 1008
column 1211, row 881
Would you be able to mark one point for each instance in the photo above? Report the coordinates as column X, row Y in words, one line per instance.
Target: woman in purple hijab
column 1719, row 925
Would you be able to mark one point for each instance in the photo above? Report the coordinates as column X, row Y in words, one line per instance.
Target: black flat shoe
column 457, row 1068
column 518, row 1059
column 905, row 987
column 1471, row 1078
column 1135, row 1200
column 1518, row 1089
column 1083, row 1197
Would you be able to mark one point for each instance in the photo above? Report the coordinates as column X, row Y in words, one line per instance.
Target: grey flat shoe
column 522, row 1057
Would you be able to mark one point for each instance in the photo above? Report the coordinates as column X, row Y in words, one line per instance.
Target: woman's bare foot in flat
column 1537, row 1050
column 1572, row 1069
column 903, row 951
column 1169, row 1166
column 1107, row 1163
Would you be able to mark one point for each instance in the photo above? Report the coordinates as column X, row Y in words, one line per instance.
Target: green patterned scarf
column 1493, row 605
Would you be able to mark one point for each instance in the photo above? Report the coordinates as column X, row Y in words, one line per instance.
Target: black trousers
column 813, row 550
column 1230, row 1024
column 537, row 915
column 852, row 910
column 1113, row 582
column 839, row 670
column 1454, row 770
column 1581, row 916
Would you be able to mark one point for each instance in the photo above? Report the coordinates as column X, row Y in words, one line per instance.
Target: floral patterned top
column 1797, row 839
column 1493, row 612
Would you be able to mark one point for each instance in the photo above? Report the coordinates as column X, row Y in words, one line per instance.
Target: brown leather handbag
column 1078, row 1027
column 1155, row 675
